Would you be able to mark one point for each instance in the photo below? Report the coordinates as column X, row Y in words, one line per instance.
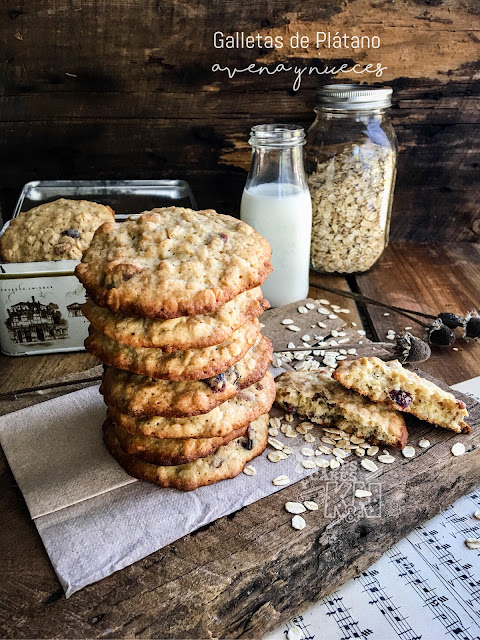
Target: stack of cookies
column 174, row 301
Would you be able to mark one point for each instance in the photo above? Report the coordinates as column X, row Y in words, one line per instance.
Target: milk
column 282, row 213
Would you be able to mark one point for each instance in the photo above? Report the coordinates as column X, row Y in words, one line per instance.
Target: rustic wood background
column 104, row 89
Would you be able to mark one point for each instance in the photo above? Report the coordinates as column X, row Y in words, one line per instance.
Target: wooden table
column 132, row 602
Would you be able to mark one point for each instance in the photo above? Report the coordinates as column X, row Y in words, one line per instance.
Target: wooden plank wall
column 104, row 89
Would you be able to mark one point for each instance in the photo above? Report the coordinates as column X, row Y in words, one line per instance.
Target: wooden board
column 244, row 574
column 91, row 97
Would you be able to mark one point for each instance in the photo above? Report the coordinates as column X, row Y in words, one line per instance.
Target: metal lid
column 277, row 135
column 353, row 97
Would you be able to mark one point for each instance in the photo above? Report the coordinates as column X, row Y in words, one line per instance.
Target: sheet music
column 426, row 587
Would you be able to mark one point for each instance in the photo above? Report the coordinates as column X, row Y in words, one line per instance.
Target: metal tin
column 40, row 301
column 353, row 97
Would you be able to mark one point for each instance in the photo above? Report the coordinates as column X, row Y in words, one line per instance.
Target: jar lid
column 277, row 135
column 353, row 97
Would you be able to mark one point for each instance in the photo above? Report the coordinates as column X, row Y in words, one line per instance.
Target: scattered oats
column 408, row 451
column 343, row 341
column 290, row 345
column 344, row 311
column 312, row 326
column 369, row 465
column 293, row 327
column 354, row 324
column 276, row 444
column 334, row 333
column 308, row 425
column 310, row 306
column 323, row 301
column 342, row 443
column 273, row 431
column 274, row 422
column 372, row 451
column 300, row 429
column 476, row 514
column 386, row 314
column 458, row 449
column 357, row 440
column 322, row 463
column 302, row 309
column 249, row 470
column 327, row 440
column 323, row 311
column 323, row 449
column 294, row 507
column 455, row 348
column 365, row 445
column 473, row 543
column 335, row 307
column 287, row 451
column 339, row 453
column 352, row 352
column 294, row 633
column 390, row 336
column 287, row 321
column 334, row 464
column 424, row 444
column 360, row 342
column 306, row 451
column 290, row 432
column 341, row 357
column 359, row 452
column 322, row 325
column 408, row 328
column 280, row 481
column 332, row 316
column 362, row 493
column 306, row 337
column 342, row 333
column 262, row 326
column 297, row 523
column 283, row 427
column 386, row 459
column 311, row 505
column 277, row 362
column 274, row 456
column 308, row 437
column 309, row 464
column 288, row 417
column 361, row 332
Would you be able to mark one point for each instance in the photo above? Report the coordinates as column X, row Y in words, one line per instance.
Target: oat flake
column 249, row 470
column 298, row 523
column 280, row 481
column 294, row 507
column 458, row 449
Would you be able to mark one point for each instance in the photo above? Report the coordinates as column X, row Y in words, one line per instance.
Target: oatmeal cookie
column 192, row 364
column 185, row 332
column 173, row 262
column 227, row 462
column 315, row 395
column 231, row 415
column 143, row 396
column 398, row 388
column 172, row 451
column 59, row 230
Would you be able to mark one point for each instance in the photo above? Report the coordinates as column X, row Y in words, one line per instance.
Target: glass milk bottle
column 276, row 202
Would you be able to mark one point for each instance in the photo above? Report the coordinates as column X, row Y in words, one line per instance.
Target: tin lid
column 353, row 97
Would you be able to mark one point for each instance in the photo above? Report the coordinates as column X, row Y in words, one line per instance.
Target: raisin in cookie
column 236, row 413
column 227, row 462
column 398, row 388
column 185, row 332
column 59, row 230
column 143, row 396
column 315, row 395
column 173, row 262
column 192, row 364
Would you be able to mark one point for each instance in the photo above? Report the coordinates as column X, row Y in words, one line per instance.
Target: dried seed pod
column 439, row 334
column 471, row 326
column 451, row 320
column 408, row 348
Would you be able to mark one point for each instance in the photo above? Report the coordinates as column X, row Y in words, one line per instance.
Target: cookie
column 172, row 451
column 315, row 395
column 403, row 390
column 185, row 332
column 173, row 262
column 192, row 364
column 227, row 462
column 59, row 230
column 231, row 415
column 143, row 396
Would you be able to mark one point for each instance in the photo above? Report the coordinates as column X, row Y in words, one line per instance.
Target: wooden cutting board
column 244, row 574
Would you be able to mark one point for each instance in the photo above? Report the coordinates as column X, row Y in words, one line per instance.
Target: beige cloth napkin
column 93, row 518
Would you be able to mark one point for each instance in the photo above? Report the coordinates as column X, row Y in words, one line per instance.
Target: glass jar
column 277, row 204
column 351, row 157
